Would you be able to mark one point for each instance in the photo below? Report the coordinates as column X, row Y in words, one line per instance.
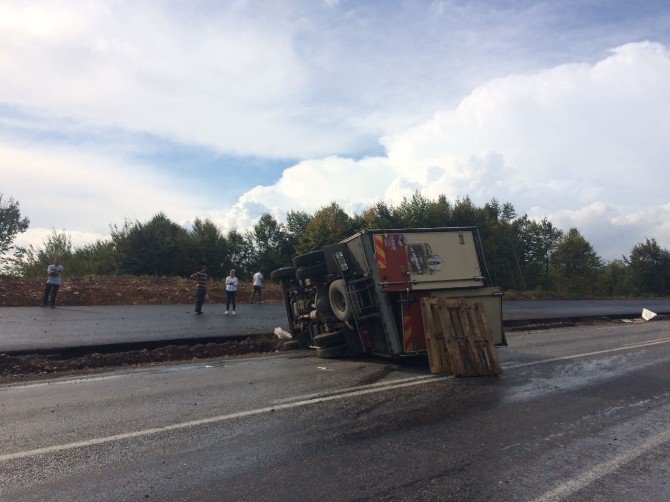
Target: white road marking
column 211, row 420
column 566, row 489
column 349, row 389
column 303, row 401
column 587, row 354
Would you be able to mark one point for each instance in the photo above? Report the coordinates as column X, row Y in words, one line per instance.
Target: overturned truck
column 363, row 295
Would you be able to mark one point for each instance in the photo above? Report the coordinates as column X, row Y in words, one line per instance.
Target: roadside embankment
column 120, row 290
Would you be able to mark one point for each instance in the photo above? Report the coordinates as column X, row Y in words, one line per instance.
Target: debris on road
column 282, row 334
column 648, row 315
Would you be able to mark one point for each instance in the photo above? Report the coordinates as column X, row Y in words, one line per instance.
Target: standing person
column 54, row 273
column 258, row 287
column 231, row 290
column 201, row 290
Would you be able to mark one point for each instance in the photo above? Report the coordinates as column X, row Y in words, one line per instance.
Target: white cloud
column 38, row 236
column 83, row 193
column 585, row 145
column 215, row 78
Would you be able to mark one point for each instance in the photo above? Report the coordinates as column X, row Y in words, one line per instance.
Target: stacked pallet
column 458, row 338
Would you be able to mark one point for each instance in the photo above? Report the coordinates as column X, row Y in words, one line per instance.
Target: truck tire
column 293, row 345
column 328, row 339
column 282, row 273
column 309, row 258
column 340, row 302
column 314, row 271
column 330, row 352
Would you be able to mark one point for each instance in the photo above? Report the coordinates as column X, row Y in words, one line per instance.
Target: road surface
column 578, row 413
column 34, row 328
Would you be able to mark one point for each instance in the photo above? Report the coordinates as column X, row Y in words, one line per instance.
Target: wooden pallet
column 458, row 338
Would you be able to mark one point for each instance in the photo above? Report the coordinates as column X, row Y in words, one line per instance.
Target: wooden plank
column 451, row 335
column 433, row 347
column 467, row 355
column 494, row 362
column 444, row 328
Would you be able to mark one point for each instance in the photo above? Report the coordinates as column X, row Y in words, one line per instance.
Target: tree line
column 521, row 254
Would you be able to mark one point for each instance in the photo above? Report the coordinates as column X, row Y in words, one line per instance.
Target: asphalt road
column 31, row 328
column 578, row 414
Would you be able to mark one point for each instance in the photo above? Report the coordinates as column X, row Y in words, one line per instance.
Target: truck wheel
column 293, row 345
column 282, row 273
column 340, row 301
column 328, row 339
column 309, row 258
column 329, row 352
column 311, row 271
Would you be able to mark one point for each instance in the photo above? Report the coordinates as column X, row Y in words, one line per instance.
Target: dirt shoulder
column 121, row 290
column 30, row 366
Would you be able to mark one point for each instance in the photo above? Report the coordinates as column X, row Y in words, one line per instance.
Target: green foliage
column 33, row 262
column 11, row 224
column 271, row 247
column 521, row 253
column 613, row 279
column 649, row 269
column 536, row 242
column 240, row 255
column 576, row 264
column 158, row 247
column 207, row 244
column 379, row 216
column 329, row 224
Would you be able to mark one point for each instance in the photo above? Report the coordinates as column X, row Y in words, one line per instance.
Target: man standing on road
column 201, row 290
column 258, row 287
column 231, row 290
column 53, row 283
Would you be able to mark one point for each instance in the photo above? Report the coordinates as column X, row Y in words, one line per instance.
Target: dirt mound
column 121, row 290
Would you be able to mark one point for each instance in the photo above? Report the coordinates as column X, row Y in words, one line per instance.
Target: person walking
column 257, row 283
column 201, row 289
column 231, row 290
column 54, row 273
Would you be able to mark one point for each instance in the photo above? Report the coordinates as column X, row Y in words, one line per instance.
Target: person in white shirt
column 53, row 283
column 231, row 290
column 257, row 282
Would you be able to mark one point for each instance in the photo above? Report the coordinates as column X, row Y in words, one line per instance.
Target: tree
column 413, row 212
column 537, row 242
column 576, row 264
column 208, row 245
column 649, row 268
column 330, row 224
column 240, row 254
column 11, row 224
column 270, row 245
column 158, row 247
column 33, row 261
column 379, row 216
column 98, row 258
column 613, row 279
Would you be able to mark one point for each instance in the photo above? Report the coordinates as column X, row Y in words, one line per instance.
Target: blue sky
column 231, row 109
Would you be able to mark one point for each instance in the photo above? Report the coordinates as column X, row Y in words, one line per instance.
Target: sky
column 117, row 110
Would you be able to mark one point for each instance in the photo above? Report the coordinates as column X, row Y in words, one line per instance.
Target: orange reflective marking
column 380, row 251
